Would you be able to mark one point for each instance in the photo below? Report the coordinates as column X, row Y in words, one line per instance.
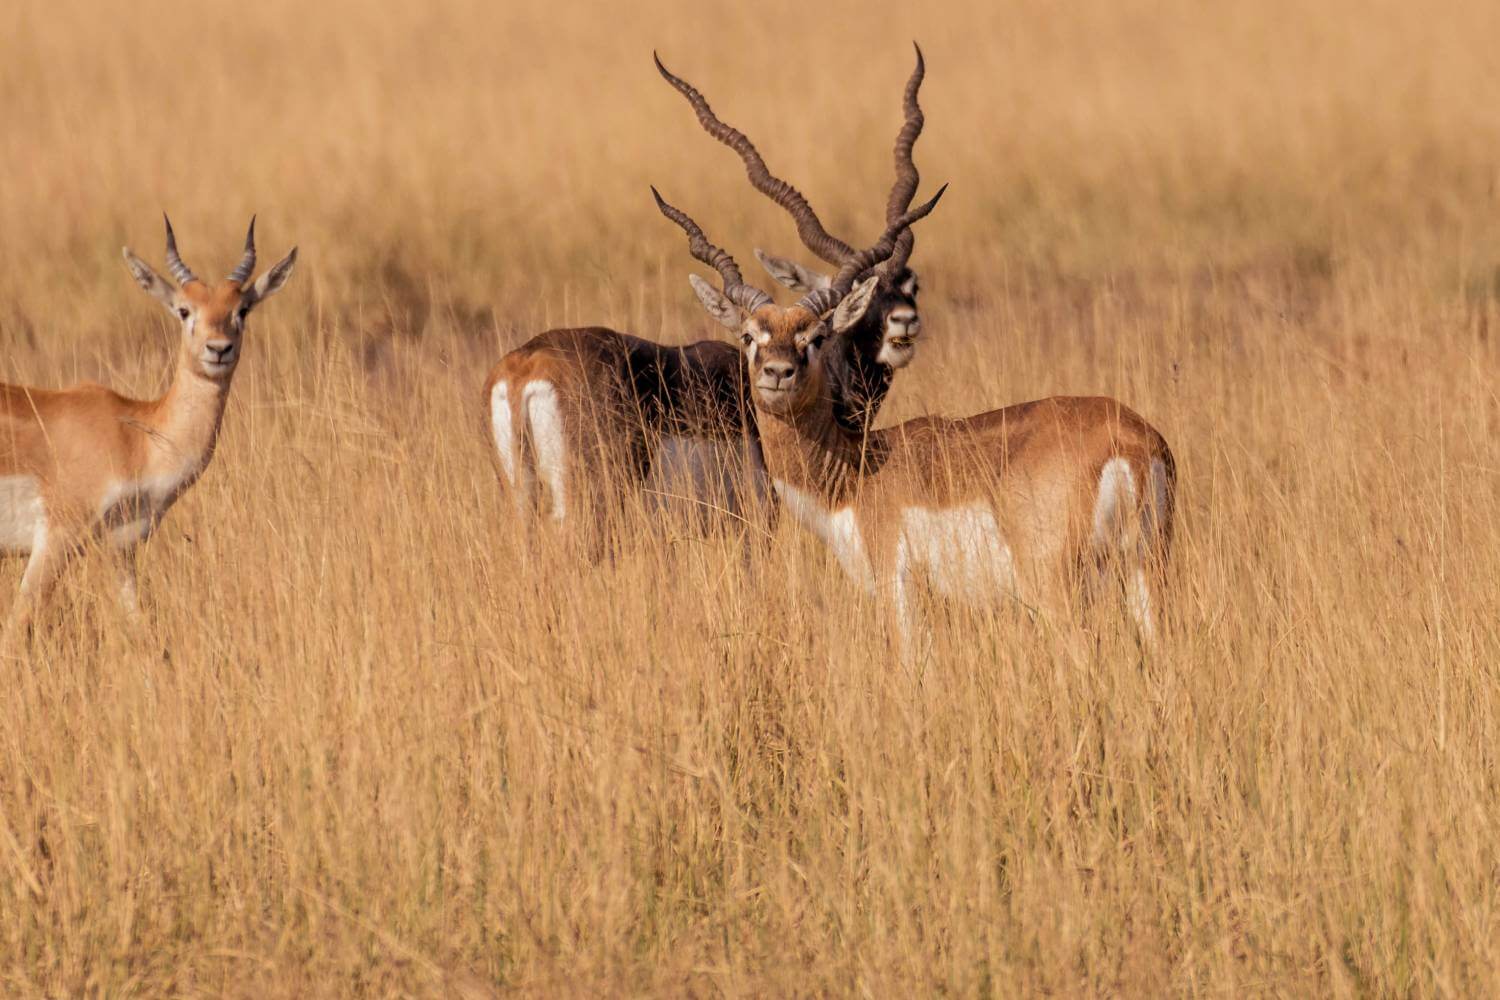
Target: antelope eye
column 183, row 312
column 242, row 312
column 745, row 339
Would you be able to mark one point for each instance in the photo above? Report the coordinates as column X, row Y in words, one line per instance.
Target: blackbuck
column 574, row 413
column 577, row 413
column 86, row 464
column 1032, row 503
column 884, row 339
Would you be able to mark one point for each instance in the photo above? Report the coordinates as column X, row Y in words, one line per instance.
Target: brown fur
column 107, row 466
column 1036, row 467
column 620, row 396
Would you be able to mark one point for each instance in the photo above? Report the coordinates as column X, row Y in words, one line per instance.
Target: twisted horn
column 907, row 177
column 821, row 300
column 809, row 227
column 246, row 266
column 747, row 297
column 179, row 270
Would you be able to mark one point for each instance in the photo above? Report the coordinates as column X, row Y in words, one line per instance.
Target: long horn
column 809, row 227
column 179, row 270
column 821, row 300
column 246, row 266
column 907, row 177
column 747, row 297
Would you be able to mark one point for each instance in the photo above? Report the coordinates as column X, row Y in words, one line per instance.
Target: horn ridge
column 907, row 177
column 747, row 297
column 246, row 266
column 824, row 299
column 809, row 227
column 180, row 271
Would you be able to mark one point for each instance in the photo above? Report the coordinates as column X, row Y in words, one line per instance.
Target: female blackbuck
column 1025, row 503
column 576, row 412
column 85, row 463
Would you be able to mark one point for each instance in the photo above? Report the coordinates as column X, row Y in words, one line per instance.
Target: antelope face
column 213, row 321
column 900, row 323
column 891, row 325
column 212, row 316
column 782, row 346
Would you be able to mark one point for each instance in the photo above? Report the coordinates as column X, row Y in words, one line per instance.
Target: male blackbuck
column 576, row 412
column 85, row 463
column 1024, row 503
column 884, row 339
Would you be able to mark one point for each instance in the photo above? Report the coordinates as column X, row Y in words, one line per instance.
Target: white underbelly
column 22, row 515
column 959, row 551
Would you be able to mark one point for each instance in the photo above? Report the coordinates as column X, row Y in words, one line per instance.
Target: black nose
column 221, row 351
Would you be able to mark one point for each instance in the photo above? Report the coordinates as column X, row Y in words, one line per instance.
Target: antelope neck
column 182, row 427
column 812, row 452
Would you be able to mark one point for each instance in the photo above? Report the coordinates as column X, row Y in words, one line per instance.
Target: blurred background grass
column 375, row 741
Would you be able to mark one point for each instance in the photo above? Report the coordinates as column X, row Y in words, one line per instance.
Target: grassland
column 372, row 742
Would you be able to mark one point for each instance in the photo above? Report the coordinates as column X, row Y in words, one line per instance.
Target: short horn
column 809, row 227
column 246, row 266
column 180, row 271
column 747, row 297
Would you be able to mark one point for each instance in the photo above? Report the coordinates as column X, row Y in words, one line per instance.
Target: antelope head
column 891, row 324
column 212, row 315
column 782, row 345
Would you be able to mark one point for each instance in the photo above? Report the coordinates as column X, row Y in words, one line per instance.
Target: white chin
column 774, row 399
column 896, row 355
column 216, row 369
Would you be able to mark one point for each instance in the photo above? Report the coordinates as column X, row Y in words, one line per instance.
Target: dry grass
column 371, row 743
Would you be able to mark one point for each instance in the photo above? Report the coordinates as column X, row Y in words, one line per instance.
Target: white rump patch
column 838, row 529
column 960, row 550
column 549, row 442
column 22, row 516
column 500, row 427
column 1116, row 498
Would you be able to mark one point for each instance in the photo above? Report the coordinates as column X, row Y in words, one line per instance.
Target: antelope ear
column 717, row 303
column 792, row 274
column 151, row 283
column 852, row 307
column 271, row 282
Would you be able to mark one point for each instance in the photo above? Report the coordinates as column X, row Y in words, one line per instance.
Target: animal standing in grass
column 1029, row 502
column 575, row 413
column 86, row 463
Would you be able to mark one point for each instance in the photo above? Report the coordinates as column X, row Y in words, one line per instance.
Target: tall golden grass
column 372, row 740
